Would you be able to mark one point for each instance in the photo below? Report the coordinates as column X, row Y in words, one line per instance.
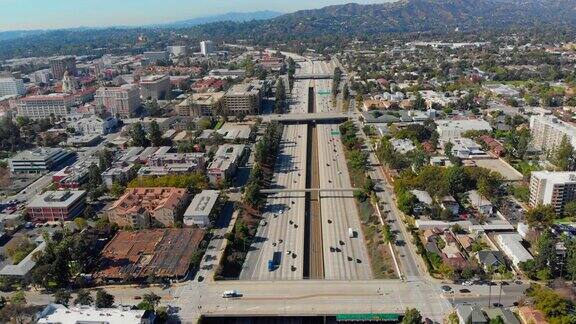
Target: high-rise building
column 11, row 87
column 548, row 132
column 41, row 76
column 119, row 101
column 59, row 65
column 552, row 188
column 69, row 83
column 206, row 47
column 155, row 87
column 245, row 98
column 45, row 106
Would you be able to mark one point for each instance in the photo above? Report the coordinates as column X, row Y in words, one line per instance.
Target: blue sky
column 40, row 14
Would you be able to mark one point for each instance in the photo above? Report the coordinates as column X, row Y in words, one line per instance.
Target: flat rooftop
column 57, row 199
column 202, row 203
column 139, row 254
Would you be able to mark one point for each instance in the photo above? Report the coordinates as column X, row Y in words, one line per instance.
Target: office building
column 141, row 207
column 56, row 313
column 552, row 188
column 12, row 87
column 177, row 51
column 158, row 56
column 69, row 83
column 201, row 208
column 548, row 132
column 452, row 129
column 93, row 124
column 45, row 106
column 201, row 104
column 40, row 159
column 206, row 47
column 225, row 162
column 155, row 87
column 41, row 76
column 55, row 206
column 163, row 163
column 59, row 66
column 120, row 101
column 245, row 98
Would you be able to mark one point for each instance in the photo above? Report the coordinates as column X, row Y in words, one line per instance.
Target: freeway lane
column 282, row 228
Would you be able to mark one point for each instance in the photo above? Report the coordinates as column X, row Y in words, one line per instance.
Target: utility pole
column 500, row 294
column 489, row 293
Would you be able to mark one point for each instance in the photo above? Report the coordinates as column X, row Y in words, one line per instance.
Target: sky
column 50, row 14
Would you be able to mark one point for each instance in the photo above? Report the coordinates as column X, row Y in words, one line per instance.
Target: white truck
column 351, row 233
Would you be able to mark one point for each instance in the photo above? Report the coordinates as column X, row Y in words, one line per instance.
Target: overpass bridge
column 275, row 191
column 312, row 117
column 315, row 76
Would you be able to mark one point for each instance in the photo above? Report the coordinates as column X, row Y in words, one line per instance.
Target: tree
column 104, row 299
column 546, row 257
column 155, row 134
column 419, row 102
column 94, row 176
column 80, row 222
column 345, row 92
column 138, row 135
column 497, row 320
column 570, row 244
column 564, row 155
column 448, row 149
column 18, row 298
column 83, row 297
column 153, row 108
column 541, row 216
column 105, row 158
column 412, row 316
column 117, row 189
column 280, row 96
column 152, row 299
column 388, row 234
column 62, row 297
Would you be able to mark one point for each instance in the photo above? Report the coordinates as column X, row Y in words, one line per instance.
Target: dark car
column 465, row 291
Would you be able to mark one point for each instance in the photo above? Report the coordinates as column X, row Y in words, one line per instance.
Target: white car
column 231, row 294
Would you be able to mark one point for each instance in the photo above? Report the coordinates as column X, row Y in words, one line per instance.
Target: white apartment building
column 120, row 101
column 45, row 106
column 155, row 87
column 177, row 50
column 245, row 98
column 12, row 87
column 548, row 132
column 552, row 188
column 511, row 245
column 206, row 47
column 94, row 125
column 225, row 162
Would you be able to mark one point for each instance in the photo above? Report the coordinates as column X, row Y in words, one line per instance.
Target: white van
column 351, row 233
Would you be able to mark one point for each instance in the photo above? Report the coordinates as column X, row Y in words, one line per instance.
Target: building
column 56, row 206
column 164, row 163
column 12, row 87
column 470, row 314
column 402, row 145
column 142, row 207
column 60, row 65
column 201, row 104
column 56, row 313
column 226, row 73
column 23, row 268
column 177, row 50
column 162, row 253
column 69, row 83
column 451, row 129
column 155, row 87
column 236, row 131
column 41, row 76
column 480, row 203
column 120, row 101
column 245, row 98
column 71, row 177
column 40, row 159
column 450, row 204
column 209, row 84
column 552, row 188
column 490, row 259
column 201, row 208
column 466, row 148
column 93, row 124
column 225, row 163
column 157, row 56
column 206, row 47
column 548, row 132
column 511, row 245
column 45, row 106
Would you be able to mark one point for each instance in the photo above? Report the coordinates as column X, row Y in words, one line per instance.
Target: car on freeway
column 464, row 291
column 231, row 294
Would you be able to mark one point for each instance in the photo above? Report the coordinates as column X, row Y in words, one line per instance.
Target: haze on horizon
column 54, row 14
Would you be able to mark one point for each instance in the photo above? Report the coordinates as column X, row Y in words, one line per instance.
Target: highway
column 345, row 257
column 282, row 229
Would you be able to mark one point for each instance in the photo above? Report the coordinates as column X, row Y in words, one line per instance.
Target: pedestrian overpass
column 275, row 191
